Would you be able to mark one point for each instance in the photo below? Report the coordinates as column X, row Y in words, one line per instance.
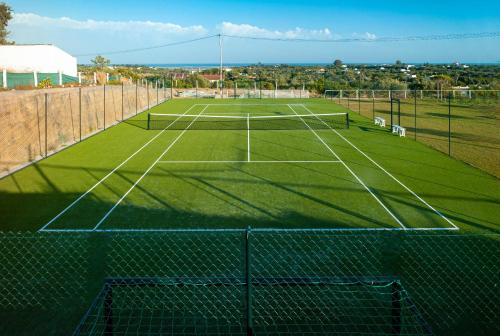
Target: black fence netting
column 249, row 281
column 37, row 123
column 460, row 123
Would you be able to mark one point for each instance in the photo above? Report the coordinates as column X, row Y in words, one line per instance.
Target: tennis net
column 237, row 122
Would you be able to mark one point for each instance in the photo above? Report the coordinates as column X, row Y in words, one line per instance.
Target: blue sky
column 91, row 26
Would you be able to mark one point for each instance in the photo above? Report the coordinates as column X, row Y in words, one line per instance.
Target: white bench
column 380, row 121
column 401, row 131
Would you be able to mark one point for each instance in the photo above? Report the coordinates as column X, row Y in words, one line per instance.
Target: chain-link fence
column 34, row 124
column 249, row 281
column 461, row 123
column 238, row 93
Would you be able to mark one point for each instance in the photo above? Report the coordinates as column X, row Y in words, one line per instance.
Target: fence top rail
column 275, row 231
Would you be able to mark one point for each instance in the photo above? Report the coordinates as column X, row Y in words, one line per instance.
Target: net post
column 396, row 308
column 149, row 121
column 347, row 120
column 248, row 275
column 108, row 310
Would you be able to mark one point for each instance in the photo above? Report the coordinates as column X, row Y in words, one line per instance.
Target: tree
column 5, row 17
column 337, row 63
column 100, row 62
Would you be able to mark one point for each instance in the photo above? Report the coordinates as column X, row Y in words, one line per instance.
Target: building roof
column 45, row 58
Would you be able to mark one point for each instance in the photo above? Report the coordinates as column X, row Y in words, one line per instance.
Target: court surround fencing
column 12, row 80
column 240, row 93
column 260, row 281
column 460, row 123
column 35, row 124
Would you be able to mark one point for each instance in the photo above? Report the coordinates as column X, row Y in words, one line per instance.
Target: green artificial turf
column 153, row 190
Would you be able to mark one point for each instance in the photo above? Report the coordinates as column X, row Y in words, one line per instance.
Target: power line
column 148, row 48
column 462, row 36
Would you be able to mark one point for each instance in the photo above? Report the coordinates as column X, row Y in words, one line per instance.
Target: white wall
column 40, row 58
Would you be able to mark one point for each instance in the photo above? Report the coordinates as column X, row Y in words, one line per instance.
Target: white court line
column 234, row 104
column 147, row 171
column 248, row 135
column 244, row 230
column 109, row 174
column 247, row 161
column 350, row 170
column 389, row 174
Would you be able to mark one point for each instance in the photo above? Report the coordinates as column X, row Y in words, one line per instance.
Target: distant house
column 43, row 58
column 211, row 78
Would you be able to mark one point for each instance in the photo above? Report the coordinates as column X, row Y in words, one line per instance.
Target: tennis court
column 223, row 216
column 295, row 164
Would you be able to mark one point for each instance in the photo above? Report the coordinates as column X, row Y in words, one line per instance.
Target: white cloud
column 248, row 30
column 35, row 20
column 365, row 36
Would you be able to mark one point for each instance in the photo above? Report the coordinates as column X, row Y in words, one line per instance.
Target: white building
column 37, row 58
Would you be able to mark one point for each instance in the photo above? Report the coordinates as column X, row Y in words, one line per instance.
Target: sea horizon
column 305, row 64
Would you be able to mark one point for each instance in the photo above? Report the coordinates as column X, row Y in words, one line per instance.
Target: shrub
column 44, row 84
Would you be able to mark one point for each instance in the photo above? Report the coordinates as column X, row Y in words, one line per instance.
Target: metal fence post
column 46, row 123
column 399, row 112
column 104, row 86
column 392, row 112
column 157, row 94
column 136, row 96
column 396, row 308
column 123, row 103
column 415, row 117
column 373, row 106
column 80, row 109
column 108, row 310
column 248, row 275
column 147, row 92
column 449, row 123
column 359, row 101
